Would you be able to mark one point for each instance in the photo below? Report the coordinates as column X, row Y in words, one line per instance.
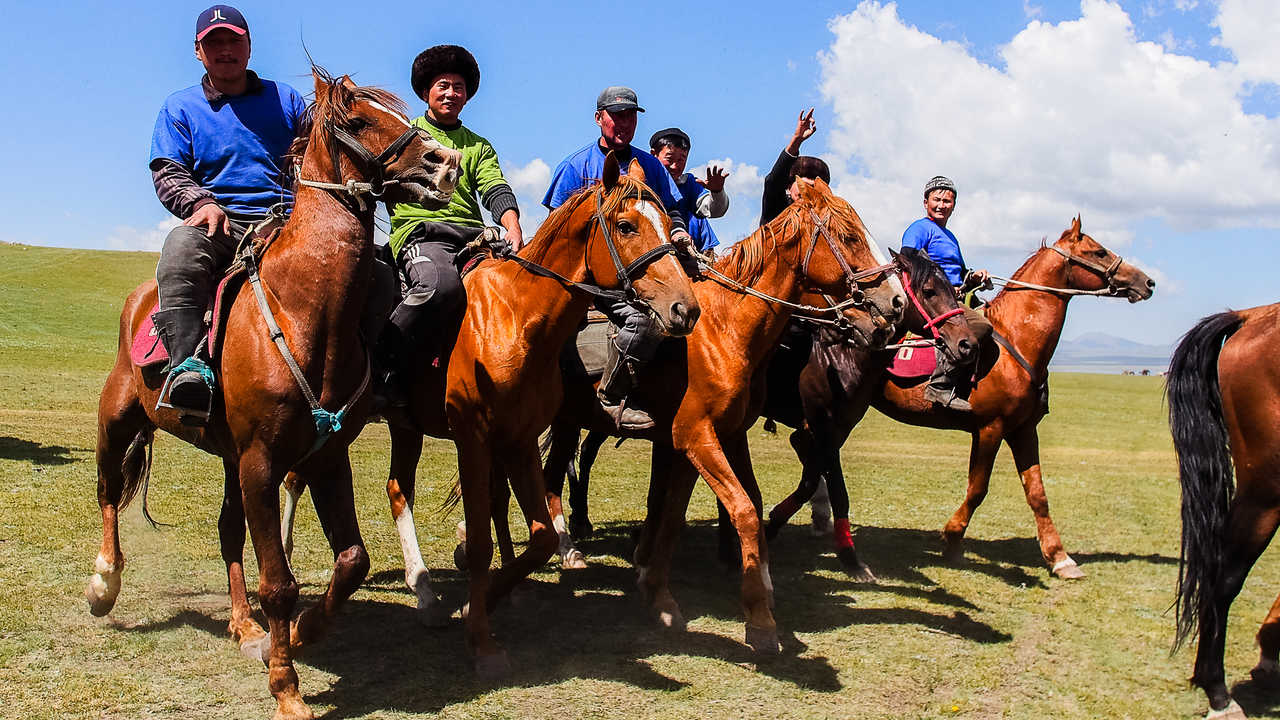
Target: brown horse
column 1222, row 388
column 502, row 384
column 1009, row 398
column 314, row 278
column 700, row 392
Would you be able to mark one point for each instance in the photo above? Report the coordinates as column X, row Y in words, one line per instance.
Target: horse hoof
column 494, row 666
column 460, row 557
column 671, row 618
column 434, row 614
column 953, row 553
column 258, row 649
column 573, row 560
column 854, row 567
column 1068, row 570
column 100, row 599
column 763, row 640
column 1232, row 711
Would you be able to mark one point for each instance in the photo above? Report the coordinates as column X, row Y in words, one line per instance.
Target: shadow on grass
column 1259, row 699
column 12, row 448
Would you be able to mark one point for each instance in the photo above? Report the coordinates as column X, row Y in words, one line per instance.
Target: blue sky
column 902, row 92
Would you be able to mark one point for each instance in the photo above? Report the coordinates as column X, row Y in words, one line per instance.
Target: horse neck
column 751, row 326
column 1034, row 317
column 321, row 263
column 550, row 311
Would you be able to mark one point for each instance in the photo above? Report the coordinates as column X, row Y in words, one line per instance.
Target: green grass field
column 995, row 637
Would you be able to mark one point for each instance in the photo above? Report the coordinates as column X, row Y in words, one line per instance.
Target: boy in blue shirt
column 700, row 199
column 638, row 336
column 931, row 235
column 217, row 162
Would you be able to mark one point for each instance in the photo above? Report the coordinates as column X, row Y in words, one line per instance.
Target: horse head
column 1090, row 266
column 840, row 259
column 361, row 139
column 630, row 246
column 933, row 310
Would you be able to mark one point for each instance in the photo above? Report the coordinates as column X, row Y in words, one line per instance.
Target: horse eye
column 1100, row 253
column 357, row 124
column 626, row 227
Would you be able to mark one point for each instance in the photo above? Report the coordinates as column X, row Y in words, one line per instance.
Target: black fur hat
column 440, row 59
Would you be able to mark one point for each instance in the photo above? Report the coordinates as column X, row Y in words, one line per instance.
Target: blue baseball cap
column 220, row 16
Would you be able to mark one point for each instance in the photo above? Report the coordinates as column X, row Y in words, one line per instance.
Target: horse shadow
column 12, row 448
column 1259, row 699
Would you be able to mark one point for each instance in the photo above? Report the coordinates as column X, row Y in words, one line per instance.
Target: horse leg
column 580, row 521
column 334, row 500
column 727, row 542
column 810, row 480
column 708, row 457
column 231, row 533
column 1267, row 671
column 474, row 476
column 500, row 499
column 124, row 459
column 406, row 450
column 739, row 455
column 293, row 490
column 982, row 456
column 260, row 480
column 524, row 468
column 846, row 552
column 1250, row 524
column 671, row 483
column 1025, row 444
column 564, row 440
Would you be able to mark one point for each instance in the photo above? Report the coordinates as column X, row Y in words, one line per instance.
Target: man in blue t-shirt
column 638, row 335
column 930, row 234
column 217, row 162
column 700, row 199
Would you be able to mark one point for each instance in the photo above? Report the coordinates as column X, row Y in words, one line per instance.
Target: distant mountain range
column 1101, row 349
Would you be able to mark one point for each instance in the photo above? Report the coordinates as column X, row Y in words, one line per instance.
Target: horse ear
column 894, row 253
column 347, row 83
column 636, row 171
column 807, row 190
column 1075, row 226
column 322, row 85
column 609, row 176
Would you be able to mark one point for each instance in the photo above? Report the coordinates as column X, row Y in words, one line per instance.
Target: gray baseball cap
column 617, row 97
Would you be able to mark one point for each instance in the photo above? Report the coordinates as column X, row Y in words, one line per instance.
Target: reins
column 373, row 166
column 624, row 272
column 856, row 299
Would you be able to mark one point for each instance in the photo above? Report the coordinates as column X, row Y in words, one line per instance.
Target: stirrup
column 188, row 415
column 626, row 418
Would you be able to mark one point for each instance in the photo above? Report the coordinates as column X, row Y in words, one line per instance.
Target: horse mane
column 995, row 305
column 334, row 107
column 625, row 188
column 919, row 265
column 745, row 263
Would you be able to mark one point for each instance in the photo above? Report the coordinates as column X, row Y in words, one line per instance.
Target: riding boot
column 943, row 388
column 615, row 385
column 192, row 381
column 390, row 360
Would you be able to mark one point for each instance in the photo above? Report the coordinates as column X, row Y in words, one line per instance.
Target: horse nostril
column 684, row 315
column 899, row 302
column 1151, row 284
column 965, row 346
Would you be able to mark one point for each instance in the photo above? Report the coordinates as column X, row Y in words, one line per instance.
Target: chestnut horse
column 274, row 419
column 1010, row 399
column 699, row 393
column 824, row 387
column 1221, row 389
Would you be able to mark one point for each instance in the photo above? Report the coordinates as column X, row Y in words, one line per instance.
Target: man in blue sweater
column 930, row 234
column 217, row 162
column 638, row 335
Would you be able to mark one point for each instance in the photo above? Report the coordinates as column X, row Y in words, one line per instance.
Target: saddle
column 147, row 351
column 586, row 354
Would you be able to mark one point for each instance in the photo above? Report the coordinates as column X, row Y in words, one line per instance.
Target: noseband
column 932, row 323
column 1108, row 272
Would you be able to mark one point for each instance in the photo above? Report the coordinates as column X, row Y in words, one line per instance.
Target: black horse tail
column 135, row 469
column 1204, row 467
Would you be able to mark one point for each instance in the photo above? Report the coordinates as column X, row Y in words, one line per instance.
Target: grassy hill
column 993, row 637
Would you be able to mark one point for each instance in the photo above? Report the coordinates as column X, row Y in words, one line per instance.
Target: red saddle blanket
column 913, row 362
column 147, row 350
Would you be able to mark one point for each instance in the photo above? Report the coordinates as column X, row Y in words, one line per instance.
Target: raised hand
column 715, row 179
column 805, row 128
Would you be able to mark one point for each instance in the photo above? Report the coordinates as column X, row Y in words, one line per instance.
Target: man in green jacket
column 426, row 242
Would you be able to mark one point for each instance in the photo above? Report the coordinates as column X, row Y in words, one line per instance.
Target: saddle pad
column 147, row 350
column 593, row 346
column 913, row 362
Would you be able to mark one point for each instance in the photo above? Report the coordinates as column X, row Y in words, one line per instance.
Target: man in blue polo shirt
column 638, row 335
column 930, row 234
column 700, row 199
column 217, row 162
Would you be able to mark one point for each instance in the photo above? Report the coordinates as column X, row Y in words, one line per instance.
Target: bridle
column 625, row 273
column 931, row 323
column 373, row 167
column 1107, row 273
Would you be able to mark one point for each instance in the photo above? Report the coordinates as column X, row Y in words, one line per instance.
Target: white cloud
column 1031, row 11
column 1084, row 118
column 744, row 185
column 530, row 183
column 1248, row 30
column 151, row 239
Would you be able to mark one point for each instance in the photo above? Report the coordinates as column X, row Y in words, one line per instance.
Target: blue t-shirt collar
column 253, row 86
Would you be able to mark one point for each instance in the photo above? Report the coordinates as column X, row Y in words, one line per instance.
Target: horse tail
column 136, row 471
column 453, row 498
column 1204, row 467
